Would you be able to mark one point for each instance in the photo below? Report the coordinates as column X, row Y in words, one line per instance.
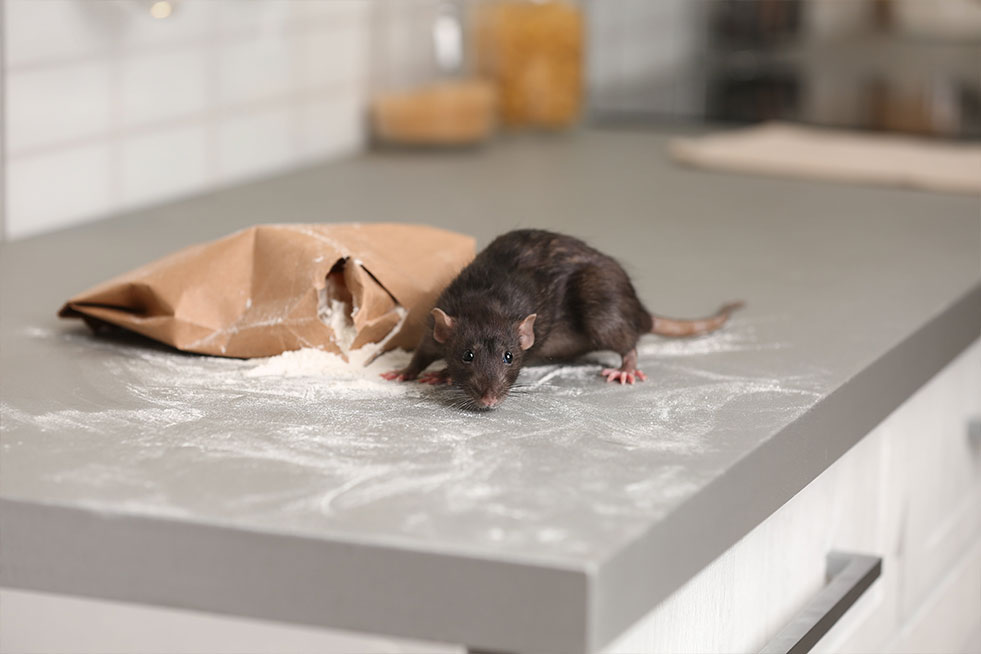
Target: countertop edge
column 632, row 582
column 282, row 577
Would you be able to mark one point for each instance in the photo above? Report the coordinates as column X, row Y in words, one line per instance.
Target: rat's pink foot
column 435, row 378
column 623, row 376
column 394, row 375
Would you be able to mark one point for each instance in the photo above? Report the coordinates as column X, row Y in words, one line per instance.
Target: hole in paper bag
column 361, row 314
column 335, row 308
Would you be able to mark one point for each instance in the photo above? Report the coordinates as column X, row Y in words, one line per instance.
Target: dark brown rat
column 534, row 296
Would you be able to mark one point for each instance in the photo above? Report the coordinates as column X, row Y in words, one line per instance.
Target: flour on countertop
column 736, row 336
column 308, row 440
column 310, row 362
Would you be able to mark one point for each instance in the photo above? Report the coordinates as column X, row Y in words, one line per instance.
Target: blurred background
column 129, row 103
column 110, row 106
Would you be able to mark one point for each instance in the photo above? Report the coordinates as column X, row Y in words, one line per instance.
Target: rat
column 535, row 296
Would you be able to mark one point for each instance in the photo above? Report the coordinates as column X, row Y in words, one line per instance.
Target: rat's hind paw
column 435, row 378
column 623, row 376
column 396, row 375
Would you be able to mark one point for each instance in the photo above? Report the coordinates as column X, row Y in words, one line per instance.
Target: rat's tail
column 671, row 327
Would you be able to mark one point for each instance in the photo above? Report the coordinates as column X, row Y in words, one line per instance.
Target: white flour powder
column 310, row 362
column 306, row 440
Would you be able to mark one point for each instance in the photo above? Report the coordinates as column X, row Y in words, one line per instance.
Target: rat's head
column 483, row 354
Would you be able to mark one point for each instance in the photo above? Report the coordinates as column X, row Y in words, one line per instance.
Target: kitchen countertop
column 131, row 472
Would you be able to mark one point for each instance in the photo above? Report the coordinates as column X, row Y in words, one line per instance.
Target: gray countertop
column 131, row 472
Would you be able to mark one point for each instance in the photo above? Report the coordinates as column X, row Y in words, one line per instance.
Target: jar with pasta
column 532, row 52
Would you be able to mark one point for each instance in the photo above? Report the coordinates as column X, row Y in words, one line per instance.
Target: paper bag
column 272, row 288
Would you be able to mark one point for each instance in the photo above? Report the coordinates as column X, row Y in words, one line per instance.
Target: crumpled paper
column 272, row 288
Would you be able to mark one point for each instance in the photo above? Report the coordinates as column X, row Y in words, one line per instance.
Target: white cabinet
column 910, row 492
column 41, row 623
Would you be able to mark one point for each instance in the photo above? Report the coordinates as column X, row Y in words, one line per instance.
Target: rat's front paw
column 623, row 376
column 397, row 375
column 436, row 378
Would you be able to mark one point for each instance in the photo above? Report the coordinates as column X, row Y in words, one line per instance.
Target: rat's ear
column 526, row 331
column 442, row 325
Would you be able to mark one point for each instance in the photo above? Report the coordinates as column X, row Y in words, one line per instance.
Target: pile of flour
column 311, row 362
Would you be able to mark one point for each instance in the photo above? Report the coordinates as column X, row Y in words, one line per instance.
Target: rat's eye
column 467, row 356
column 508, row 358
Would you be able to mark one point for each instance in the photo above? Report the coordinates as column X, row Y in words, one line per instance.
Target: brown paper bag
column 272, row 288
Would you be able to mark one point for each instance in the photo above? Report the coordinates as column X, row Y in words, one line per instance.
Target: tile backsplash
column 108, row 108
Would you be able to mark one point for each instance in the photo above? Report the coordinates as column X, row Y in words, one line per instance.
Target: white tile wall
column 51, row 189
column 332, row 124
column 50, row 30
column 318, row 64
column 249, row 143
column 163, row 163
column 193, row 22
column 252, row 70
column 161, row 86
column 108, row 109
column 49, row 106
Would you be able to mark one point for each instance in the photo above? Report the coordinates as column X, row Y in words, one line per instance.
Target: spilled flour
column 339, row 316
column 310, row 362
column 308, row 441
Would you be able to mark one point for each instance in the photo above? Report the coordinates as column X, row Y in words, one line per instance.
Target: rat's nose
column 490, row 400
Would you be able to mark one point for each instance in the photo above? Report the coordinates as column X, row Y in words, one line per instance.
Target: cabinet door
column 930, row 510
column 951, row 612
column 741, row 600
column 907, row 492
column 942, row 466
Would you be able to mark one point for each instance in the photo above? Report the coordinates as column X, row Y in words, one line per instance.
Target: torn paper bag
column 272, row 288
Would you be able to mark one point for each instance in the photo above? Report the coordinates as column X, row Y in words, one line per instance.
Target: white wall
column 107, row 108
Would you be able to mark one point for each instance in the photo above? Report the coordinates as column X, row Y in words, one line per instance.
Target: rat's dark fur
column 562, row 294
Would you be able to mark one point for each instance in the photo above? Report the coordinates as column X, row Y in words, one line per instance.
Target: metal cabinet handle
column 849, row 575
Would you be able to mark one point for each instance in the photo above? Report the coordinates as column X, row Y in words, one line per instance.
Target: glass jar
column 532, row 52
column 425, row 92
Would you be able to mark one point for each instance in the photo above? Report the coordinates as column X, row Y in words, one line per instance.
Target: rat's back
column 558, row 277
column 523, row 263
column 540, row 252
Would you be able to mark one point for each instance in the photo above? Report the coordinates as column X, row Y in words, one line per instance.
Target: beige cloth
column 820, row 153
